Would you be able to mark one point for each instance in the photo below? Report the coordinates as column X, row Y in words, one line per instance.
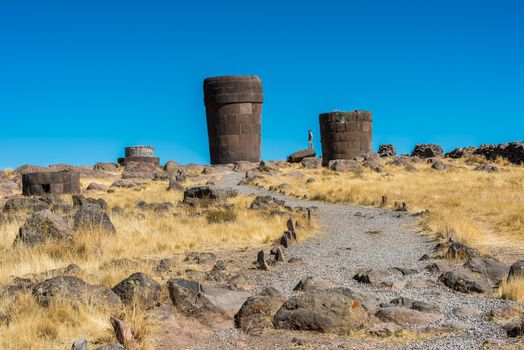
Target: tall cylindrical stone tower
column 345, row 135
column 233, row 113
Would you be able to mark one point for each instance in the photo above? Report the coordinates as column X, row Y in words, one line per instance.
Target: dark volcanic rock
column 188, row 298
column 487, row 168
column 92, row 217
column 174, row 185
column 16, row 204
column 110, row 167
column 203, row 195
column 267, row 203
column 516, row 270
column 513, row 151
column 79, row 200
column 387, row 150
column 258, row 311
column 298, row 156
column 43, row 226
column 311, row 163
column 139, row 287
column 427, row 151
column 326, row 311
column 461, row 251
column 401, row 316
column 74, row 290
column 494, row 270
column 465, row 282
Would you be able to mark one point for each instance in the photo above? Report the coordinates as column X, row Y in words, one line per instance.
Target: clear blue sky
column 79, row 80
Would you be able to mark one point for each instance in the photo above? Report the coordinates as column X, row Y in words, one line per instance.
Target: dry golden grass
column 141, row 235
column 512, row 289
column 483, row 209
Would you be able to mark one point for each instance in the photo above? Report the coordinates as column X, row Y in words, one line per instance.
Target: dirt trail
column 351, row 237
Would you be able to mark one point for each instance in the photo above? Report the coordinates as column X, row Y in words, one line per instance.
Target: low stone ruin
column 143, row 154
column 427, row 151
column 387, row 150
column 50, row 183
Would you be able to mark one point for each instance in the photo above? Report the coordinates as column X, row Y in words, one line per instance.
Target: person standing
column 310, row 139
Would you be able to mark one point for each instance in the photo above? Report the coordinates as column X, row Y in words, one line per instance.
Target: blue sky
column 80, row 80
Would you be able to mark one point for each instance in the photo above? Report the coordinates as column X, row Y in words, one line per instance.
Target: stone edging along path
column 353, row 238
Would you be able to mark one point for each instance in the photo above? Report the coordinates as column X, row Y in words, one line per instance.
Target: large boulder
column 267, row 203
column 427, row 151
column 258, row 311
column 492, row 269
column 465, row 281
column 43, row 226
column 75, row 291
column 326, row 311
column 344, row 165
column 139, row 170
column 459, row 251
column 79, row 200
column 299, row 155
column 312, row 283
column 16, row 204
column 204, row 195
column 187, row 296
column 139, row 287
column 109, row 167
column 387, row 150
column 92, row 217
column 172, row 166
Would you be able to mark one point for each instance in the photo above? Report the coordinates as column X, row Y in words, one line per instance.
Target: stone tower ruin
column 345, row 135
column 144, row 154
column 233, row 113
column 50, row 183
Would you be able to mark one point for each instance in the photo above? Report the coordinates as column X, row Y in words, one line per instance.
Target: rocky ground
column 384, row 249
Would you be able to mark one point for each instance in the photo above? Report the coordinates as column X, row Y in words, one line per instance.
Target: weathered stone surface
column 384, row 329
column 344, row 165
column 258, row 311
column 139, row 287
column 465, row 282
column 373, row 165
column 187, row 296
column 312, row 283
column 93, row 186
column 50, row 183
column 387, row 150
column 402, row 162
column 123, row 334
column 16, row 204
column 427, row 151
column 466, row 312
column 311, row 163
column 459, row 251
column 79, row 200
column 298, row 156
column 402, row 316
column 43, row 226
column 516, row 270
column 267, row 203
column 261, row 261
column 79, row 344
column 92, row 217
column 489, row 168
column 494, row 270
column 204, row 195
column 172, row 166
column 326, row 311
column 413, row 304
column 74, row 290
column 243, row 166
column 139, row 170
column 440, row 165
column 111, row 346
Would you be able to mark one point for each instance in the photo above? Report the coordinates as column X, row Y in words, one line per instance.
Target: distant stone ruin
column 50, row 183
column 144, row 154
column 345, row 135
column 233, row 113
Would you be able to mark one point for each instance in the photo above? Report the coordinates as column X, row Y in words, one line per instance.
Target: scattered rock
column 512, row 151
column 261, row 261
column 487, row 168
column 414, row 304
column 465, row 282
column 156, row 207
column 466, row 312
column 43, row 226
column 279, row 255
column 79, row 344
column 298, row 156
column 126, row 183
column 124, row 335
column 459, row 251
column 383, row 330
column 325, row 311
column 93, row 186
column 139, row 287
column 311, row 163
column 172, row 166
column 201, row 258
column 494, row 270
column 111, row 346
column 16, row 204
column 74, row 290
column 92, row 217
column 516, row 270
column 139, row 170
column 110, row 167
column 79, row 200
column 267, row 203
column 312, row 283
column 344, row 165
column 258, row 311
column 187, row 296
column 205, row 195
column 516, row 331
column 440, row 165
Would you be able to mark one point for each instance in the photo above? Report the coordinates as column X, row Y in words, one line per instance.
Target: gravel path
column 356, row 237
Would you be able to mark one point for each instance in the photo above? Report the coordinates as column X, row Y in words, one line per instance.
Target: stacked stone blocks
column 144, row 154
column 345, row 135
column 50, row 183
column 233, row 113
